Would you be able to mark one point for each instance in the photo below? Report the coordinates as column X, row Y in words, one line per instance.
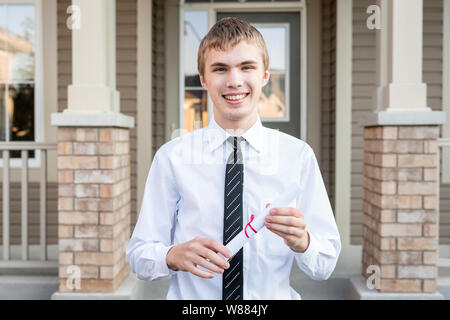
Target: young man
column 204, row 187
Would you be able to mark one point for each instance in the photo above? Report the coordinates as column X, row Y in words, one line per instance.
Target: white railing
column 24, row 148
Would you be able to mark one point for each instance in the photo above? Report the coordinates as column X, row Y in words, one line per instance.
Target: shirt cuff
column 310, row 253
column 155, row 266
column 167, row 269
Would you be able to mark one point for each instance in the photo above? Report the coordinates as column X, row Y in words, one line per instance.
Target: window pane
column 21, row 112
column 3, row 37
column 195, row 109
column 275, row 38
column 195, row 98
column 195, row 28
column 2, row 112
column 272, row 103
column 21, row 41
column 192, row 81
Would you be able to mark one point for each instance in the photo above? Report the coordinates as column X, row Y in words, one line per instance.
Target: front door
column 279, row 107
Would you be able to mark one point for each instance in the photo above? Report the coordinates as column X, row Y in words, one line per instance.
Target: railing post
column 24, row 204
column 43, row 206
column 25, row 148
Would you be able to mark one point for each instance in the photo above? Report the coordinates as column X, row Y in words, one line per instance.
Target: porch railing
column 24, row 148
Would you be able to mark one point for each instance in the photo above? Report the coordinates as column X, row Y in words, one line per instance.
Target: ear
column 266, row 77
column 202, row 81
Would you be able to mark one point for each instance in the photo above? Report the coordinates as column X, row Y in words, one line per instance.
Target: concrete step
column 30, row 268
column 27, row 287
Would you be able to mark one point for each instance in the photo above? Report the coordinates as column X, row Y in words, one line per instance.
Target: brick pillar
column 94, row 207
column 400, row 230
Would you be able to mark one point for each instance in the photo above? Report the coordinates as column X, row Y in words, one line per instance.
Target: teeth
column 241, row 96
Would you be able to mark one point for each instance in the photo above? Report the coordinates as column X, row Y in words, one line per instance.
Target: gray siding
column 364, row 41
column 126, row 71
column 158, row 76
column 328, row 95
column 364, row 55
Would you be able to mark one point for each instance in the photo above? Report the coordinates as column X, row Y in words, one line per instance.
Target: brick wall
column 400, row 199
column 94, row 206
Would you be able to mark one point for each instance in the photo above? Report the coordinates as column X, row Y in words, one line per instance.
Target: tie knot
column 235, row 142
column 236, row 155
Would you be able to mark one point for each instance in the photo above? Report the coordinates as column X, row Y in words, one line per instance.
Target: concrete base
column 358, row 291
column 130, row 289
column 26, row 287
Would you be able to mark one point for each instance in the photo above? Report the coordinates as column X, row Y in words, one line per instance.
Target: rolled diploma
column 258, row 223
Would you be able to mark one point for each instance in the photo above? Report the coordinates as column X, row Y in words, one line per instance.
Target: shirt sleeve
column 319, row 260
column 153, row 234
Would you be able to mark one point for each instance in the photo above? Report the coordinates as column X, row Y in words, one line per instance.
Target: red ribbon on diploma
column 249, row 225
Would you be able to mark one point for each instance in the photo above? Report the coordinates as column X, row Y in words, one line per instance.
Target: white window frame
column 34, row 162
column 213, row 8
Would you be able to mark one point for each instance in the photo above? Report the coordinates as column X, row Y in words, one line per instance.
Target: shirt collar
column 216, row 135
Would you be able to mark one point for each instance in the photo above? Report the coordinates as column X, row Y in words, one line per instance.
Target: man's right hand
column 200, row 251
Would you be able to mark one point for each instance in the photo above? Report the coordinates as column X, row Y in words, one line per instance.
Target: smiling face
column 234, row 79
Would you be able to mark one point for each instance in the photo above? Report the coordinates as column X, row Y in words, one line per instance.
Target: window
column 17, row 58
column 274, row 102
column 19, row 87
column 195, row 97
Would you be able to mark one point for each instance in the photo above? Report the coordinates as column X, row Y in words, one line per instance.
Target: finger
column 200, row 261
column 216, row 246
column 201, row 273
column 287, row 221
column 215, row 258
column 288, row 239
column 286, row 211
column 289, row 230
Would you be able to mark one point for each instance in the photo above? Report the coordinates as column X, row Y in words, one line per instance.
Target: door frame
column 212, row 8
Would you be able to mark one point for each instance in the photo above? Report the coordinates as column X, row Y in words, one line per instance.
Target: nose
column 234, row 79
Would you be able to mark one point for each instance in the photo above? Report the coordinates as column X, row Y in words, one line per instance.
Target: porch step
column 444, row 270
column 30, row 268
column 27, row 287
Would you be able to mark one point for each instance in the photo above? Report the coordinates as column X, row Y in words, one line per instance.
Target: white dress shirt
column 184, row 198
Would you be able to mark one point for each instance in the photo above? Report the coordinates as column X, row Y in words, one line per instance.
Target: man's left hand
column 289, row 223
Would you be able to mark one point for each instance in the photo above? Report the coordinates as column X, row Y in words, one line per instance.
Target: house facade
column 101, row 86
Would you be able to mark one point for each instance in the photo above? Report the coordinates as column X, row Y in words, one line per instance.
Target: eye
column 219, row 69
column 247, row 67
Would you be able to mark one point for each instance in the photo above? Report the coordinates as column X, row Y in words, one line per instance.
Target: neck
column 236, row 127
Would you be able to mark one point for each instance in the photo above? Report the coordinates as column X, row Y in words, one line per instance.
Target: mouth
column 235, row 98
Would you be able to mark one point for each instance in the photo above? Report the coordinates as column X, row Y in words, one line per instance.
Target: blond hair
column 227, row 33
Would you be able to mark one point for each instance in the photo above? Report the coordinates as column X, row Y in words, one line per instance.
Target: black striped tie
column 232, row 285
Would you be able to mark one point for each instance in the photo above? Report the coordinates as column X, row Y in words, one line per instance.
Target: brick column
column 94, row 206
column 400, row 231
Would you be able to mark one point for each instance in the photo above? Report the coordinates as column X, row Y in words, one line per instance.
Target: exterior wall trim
column 144, row 96
column 344, row 56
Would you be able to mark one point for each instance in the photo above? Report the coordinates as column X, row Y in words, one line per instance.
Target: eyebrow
column 221, row 64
